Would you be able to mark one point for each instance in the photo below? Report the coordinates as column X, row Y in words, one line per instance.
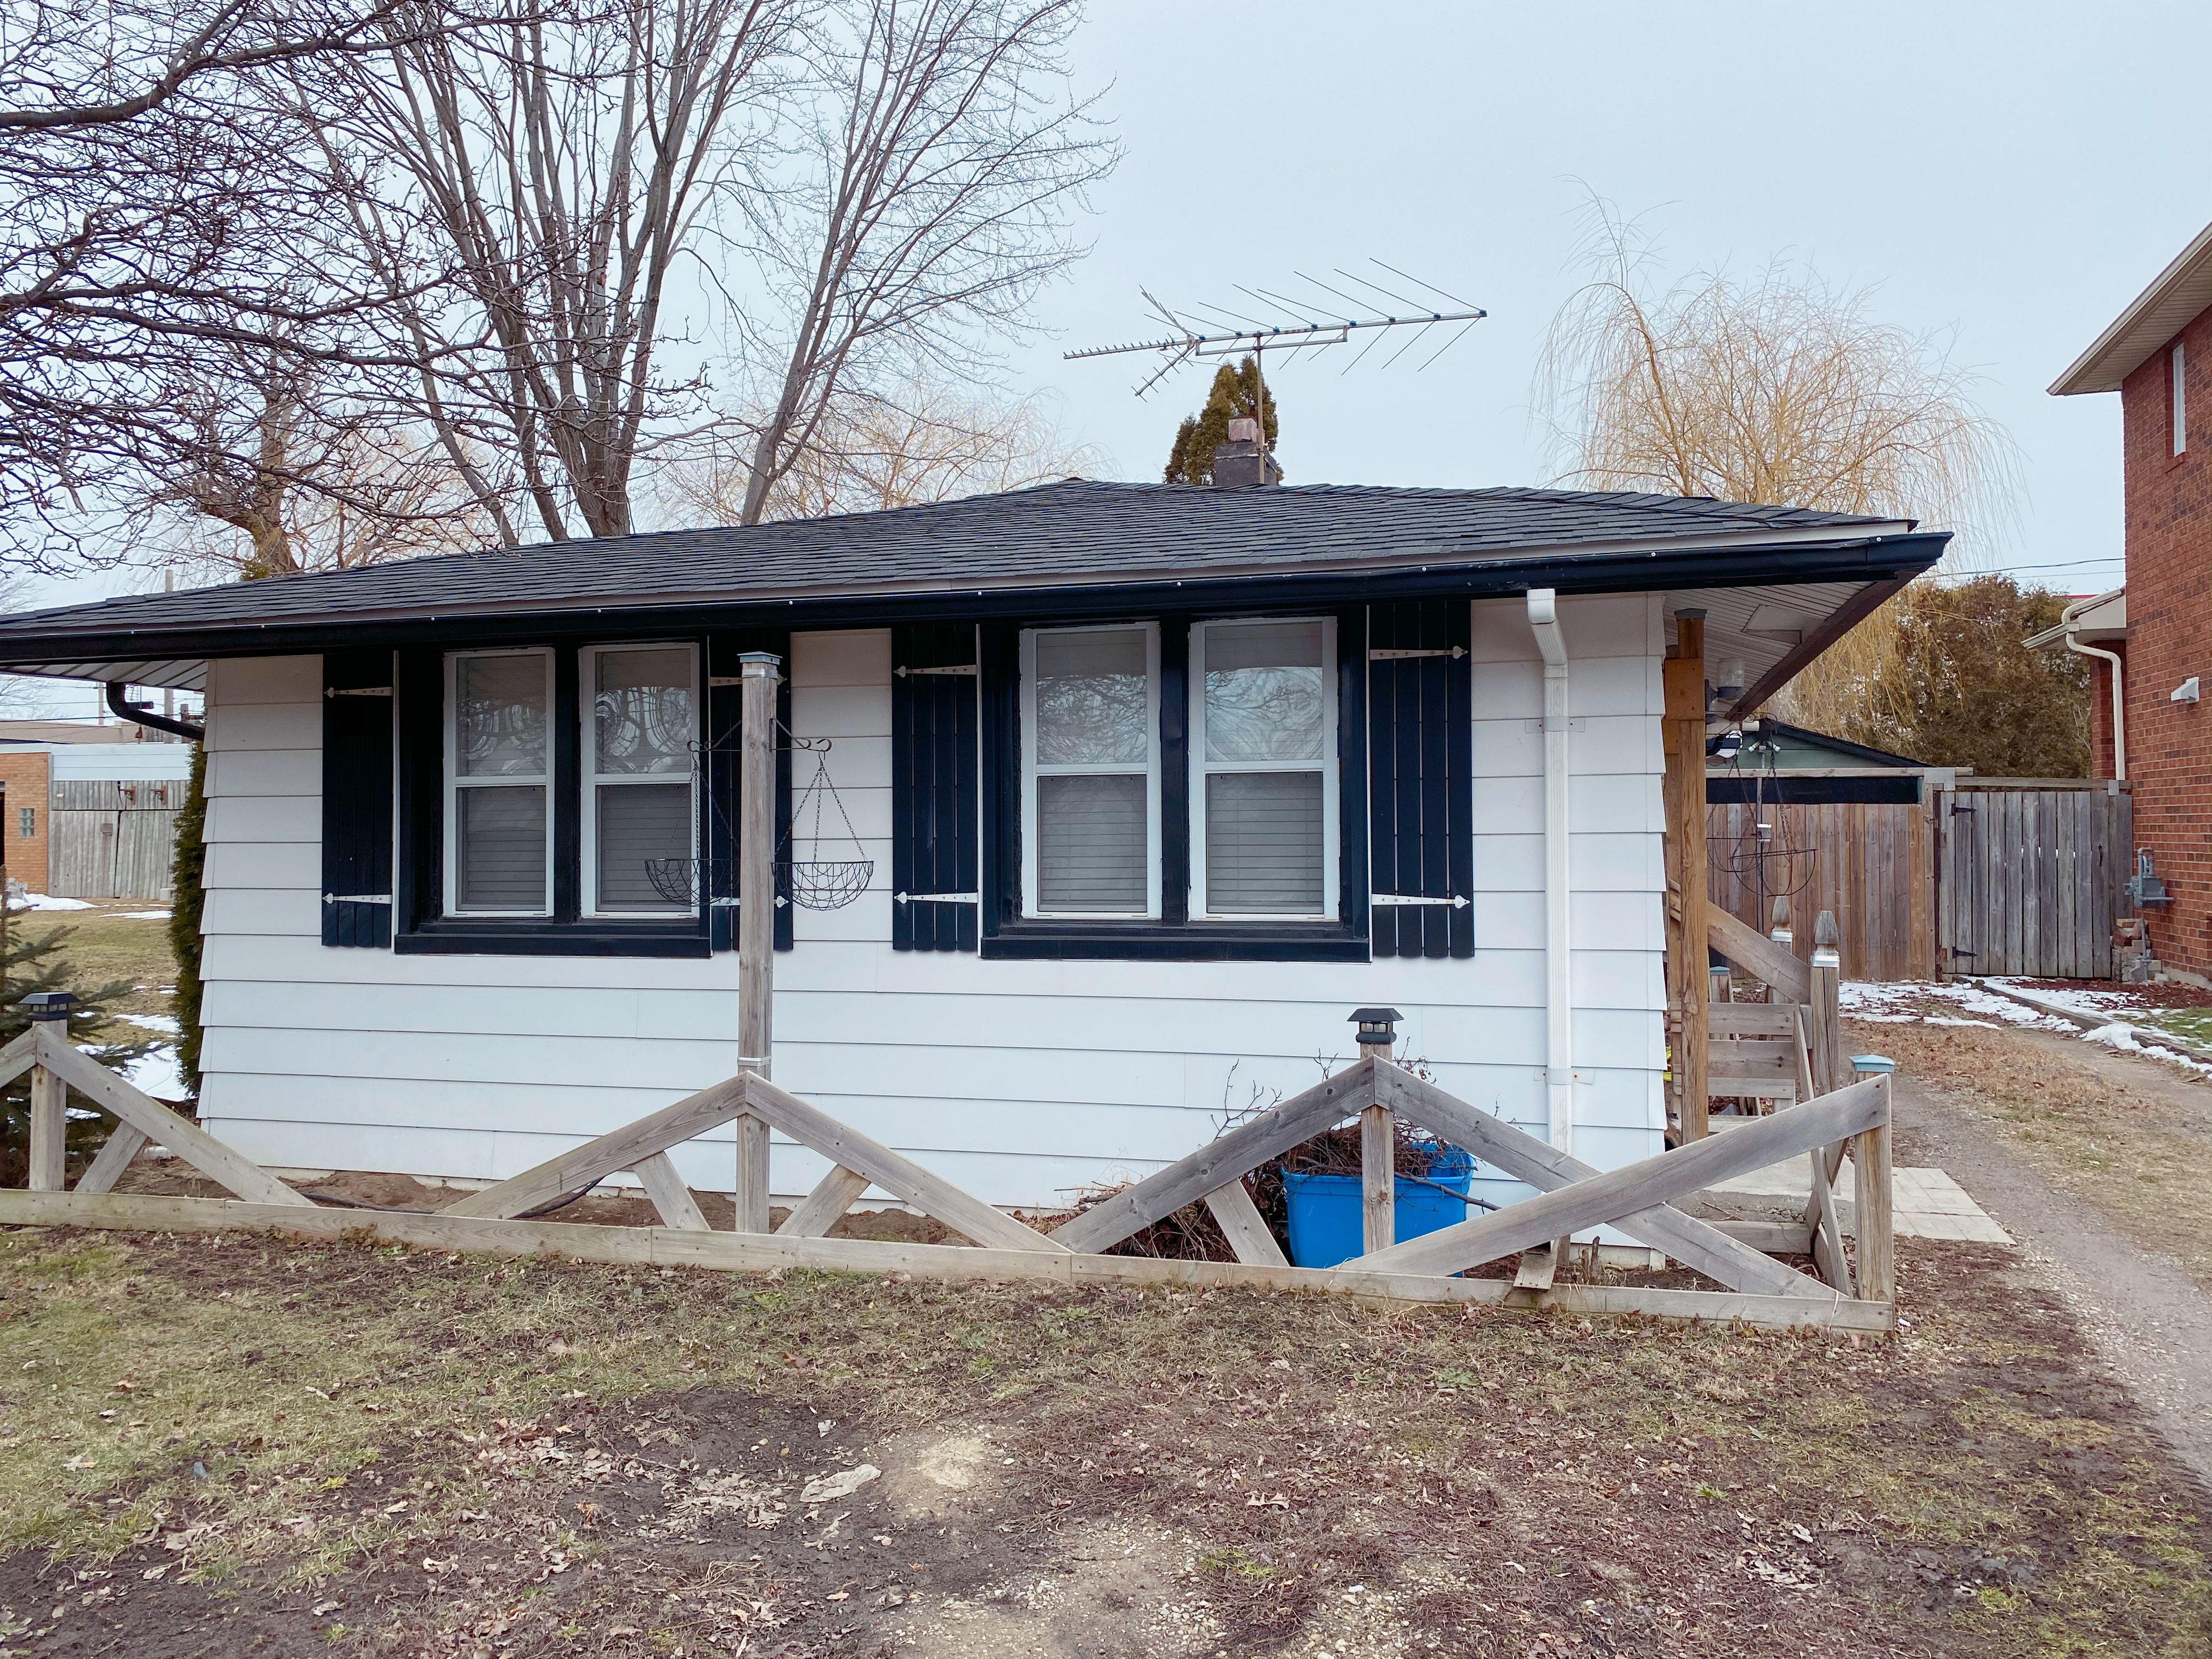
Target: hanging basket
column 687, row 881
column 815, row 885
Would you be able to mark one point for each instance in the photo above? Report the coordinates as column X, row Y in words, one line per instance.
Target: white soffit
column 2183, row 290
column 171, row 675
column 1760, row 625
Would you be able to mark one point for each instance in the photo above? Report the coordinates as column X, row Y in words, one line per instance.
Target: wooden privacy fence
column 113, row 840
column 1573, row 1198
column 2030, row 879
column 1872, row 865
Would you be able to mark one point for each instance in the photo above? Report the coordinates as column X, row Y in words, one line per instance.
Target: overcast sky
column 2015, row 173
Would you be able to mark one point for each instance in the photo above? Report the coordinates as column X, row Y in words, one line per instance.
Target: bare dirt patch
column 366, row 1451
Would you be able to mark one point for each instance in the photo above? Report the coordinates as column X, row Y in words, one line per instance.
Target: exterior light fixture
column 1728, row 748
column 2184, row 692
column 1378, row 1030
column 48, row 1004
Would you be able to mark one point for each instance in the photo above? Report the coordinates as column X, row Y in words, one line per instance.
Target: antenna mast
column 1311, row 324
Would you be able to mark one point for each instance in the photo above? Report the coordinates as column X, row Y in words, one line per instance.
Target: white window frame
column 1200, row 767
column 1149, row 768
column 454, row 783
column 587, row 708
column 2178, row 412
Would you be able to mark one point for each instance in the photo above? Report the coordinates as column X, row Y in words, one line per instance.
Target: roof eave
column 2140, row 330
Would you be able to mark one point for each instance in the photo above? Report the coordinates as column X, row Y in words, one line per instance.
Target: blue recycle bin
column 1325, row 1209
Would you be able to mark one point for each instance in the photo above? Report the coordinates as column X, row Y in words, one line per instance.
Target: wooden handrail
column 1758, row 955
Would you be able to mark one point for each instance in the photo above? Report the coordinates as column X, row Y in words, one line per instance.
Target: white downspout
column 1559, row 969
column 2119, row 732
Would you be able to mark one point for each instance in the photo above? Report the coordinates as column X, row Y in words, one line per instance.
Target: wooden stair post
column 1870, row 1189
column 1378, row 1171
column 1683, row 734
column 756, row 921
column 49, row 1171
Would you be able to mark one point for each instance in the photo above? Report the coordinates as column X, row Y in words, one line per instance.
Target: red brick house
column 2157, row 354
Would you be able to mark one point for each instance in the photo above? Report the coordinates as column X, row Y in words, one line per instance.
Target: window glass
column 498, row 715
column 639, row 823
column 1264, row 843
column 500, row 846
column 1092, row 701
column 1264, row 692
column 644, row 719
column 1092, row 834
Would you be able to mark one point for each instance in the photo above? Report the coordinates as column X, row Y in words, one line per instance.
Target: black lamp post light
column 1378, row 1031
column 42, row 1005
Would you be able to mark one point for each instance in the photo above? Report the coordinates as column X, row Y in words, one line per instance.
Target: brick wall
column 24, row 774
column 2169, row 552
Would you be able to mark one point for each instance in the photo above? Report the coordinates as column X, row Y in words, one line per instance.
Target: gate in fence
column 113, row 839
column 2031, row 879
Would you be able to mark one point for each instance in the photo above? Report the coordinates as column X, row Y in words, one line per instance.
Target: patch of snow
column 155, row 1023
column 143, row 915
column 154, row 1073
column 41, row 902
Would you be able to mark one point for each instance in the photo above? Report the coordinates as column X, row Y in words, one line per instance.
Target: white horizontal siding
column 1022, row 1080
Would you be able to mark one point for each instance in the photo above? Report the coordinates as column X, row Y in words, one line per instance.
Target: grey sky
column 2017, row 171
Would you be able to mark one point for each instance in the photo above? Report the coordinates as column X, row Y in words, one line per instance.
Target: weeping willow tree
column 1778, row 388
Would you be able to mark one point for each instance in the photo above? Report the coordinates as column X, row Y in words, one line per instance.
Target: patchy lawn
column 2130, row 1136
column 108, row 943
column 230, row 1445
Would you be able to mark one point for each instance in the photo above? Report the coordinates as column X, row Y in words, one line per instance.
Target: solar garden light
column 1873, row 1064
column 1378, row 1030
column 48, row 1004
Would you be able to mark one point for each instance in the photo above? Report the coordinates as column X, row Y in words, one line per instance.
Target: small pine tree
column 32, row 961
column 184, row 906
column 1191, row 460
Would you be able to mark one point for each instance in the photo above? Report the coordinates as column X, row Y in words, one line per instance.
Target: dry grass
column 109, row 943
column 238, row 1419
column 2138, row 1152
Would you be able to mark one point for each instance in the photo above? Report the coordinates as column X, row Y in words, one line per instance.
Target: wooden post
column 1870, row 1178
column 49, row 1132
column 1683, row 734
column 756, row 921
column 1378, row 1149
column 1830, row 1067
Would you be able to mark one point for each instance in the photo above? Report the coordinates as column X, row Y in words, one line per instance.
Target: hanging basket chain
column 813, row 884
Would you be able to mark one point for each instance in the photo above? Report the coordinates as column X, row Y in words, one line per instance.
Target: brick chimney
column 1241, row 460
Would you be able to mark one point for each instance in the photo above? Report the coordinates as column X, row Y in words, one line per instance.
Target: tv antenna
column 1310, row 325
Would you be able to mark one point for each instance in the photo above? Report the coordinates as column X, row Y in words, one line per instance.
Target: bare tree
column 524, row 199
column 1778, row 389
column 944, row 158
column 922, row 443
column 158, row 219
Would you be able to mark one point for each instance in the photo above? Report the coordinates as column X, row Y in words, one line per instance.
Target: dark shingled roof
column 1075, row 532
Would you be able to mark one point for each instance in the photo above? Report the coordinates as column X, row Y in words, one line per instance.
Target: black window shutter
column 1420, row 777
column 935, row 836
column 358, row 720
column 725, row 760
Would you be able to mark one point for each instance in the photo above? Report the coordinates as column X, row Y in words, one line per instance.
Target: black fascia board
column 1876, row 558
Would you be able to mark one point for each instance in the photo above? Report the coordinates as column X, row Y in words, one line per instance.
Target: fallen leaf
column 322, row 1608
column 844, row 1484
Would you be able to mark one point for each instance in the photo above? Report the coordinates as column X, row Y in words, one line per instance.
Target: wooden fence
column 2032, row 879
column 113, row 840
column 1872, row 865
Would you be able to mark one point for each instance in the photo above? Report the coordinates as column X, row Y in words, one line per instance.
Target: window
column 1090, row 771
column 499, row 777
column 2177, row 373
column 640, row 812
column 1263, row 839
column 27, row 822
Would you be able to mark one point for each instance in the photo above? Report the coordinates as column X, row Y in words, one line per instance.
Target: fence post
column 1378, row 1174
column 49, row 1171
column 1827, row 1026
column 755, row 920
column 1870, row 1190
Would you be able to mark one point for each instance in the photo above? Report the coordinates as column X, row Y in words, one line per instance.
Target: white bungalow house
column 1152, row 785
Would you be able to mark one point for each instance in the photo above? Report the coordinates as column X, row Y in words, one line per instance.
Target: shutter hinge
column 1456, row 901
column 1392, row 656
column 357, row 691
column 938, row 898
column 357, row 898
column 957, row 668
